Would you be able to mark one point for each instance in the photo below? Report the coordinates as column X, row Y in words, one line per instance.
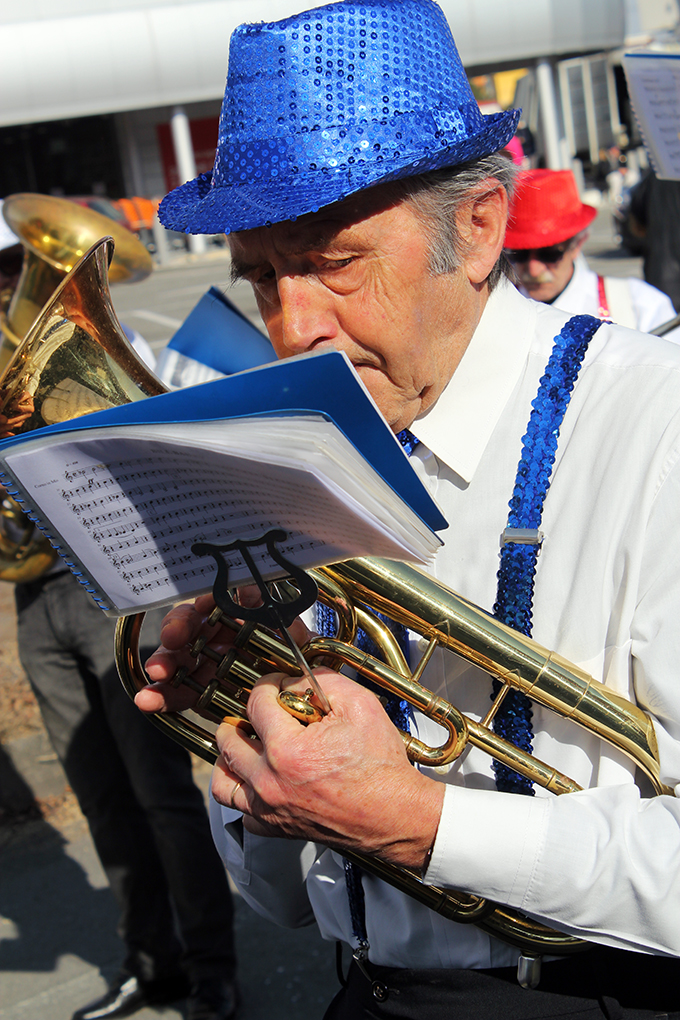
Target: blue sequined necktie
column 398, row 711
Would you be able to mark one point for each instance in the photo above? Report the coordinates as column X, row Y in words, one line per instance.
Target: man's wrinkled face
column 359, row 280
column 545, row 272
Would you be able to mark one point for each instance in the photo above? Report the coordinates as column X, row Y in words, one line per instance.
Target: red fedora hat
column 546, row 210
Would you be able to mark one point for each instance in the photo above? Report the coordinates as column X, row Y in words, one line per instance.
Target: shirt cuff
column 488, row 843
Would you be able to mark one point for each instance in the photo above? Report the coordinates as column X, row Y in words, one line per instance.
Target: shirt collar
column 458, row 426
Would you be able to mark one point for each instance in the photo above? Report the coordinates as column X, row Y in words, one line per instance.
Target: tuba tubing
column 411, row 597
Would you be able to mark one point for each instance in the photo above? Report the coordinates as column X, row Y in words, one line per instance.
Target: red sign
column 204, row 141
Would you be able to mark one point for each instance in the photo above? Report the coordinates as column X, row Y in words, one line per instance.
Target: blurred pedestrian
column 135, row 787
column 655, row 208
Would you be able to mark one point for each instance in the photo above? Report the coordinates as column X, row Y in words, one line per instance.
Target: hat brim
column 199, row 208
column 543, row 234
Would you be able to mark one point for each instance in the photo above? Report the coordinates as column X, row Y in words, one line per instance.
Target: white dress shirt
column 604, row 863
column 631, row 302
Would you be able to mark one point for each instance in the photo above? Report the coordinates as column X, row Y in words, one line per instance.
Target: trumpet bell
column 74, row 360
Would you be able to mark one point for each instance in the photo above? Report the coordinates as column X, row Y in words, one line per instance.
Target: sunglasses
column 555, row 253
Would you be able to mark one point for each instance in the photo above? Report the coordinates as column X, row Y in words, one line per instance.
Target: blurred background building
column 122, row 98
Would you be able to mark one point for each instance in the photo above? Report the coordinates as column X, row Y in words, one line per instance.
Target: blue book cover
column 217, row 334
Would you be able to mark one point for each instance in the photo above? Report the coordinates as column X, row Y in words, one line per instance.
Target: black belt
column 599, row 983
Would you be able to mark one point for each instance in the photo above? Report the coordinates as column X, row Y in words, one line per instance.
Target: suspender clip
column 529, row 971
column 523, row 536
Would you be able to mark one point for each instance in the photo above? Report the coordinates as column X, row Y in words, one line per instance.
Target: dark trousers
column 601, row 984
column 133, row 784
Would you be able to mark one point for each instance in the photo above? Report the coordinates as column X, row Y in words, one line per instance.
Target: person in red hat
column 547, row 228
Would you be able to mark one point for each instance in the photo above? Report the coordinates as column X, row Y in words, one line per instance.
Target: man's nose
column 535, row 268
column 307, row 313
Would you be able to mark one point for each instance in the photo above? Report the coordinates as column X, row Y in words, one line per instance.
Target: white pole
column 549, row 115
column 186, row 164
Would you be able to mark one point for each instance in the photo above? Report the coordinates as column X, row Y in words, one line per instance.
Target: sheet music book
column 298, row 445
column 654, row 87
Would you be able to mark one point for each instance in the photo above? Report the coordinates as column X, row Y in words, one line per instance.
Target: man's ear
column 481, row 225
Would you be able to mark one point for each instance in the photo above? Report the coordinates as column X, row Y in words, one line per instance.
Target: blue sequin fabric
column 329, row 102
column 515, row 592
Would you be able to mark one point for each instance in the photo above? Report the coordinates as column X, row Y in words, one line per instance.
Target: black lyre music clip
column 274, row 612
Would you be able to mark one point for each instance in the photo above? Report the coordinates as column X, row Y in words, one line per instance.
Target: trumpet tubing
column 355, row 590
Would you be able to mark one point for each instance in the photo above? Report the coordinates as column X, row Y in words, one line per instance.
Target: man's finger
column 239, row 759
column 164, row 698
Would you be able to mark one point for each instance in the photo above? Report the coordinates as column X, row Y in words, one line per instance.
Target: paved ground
column 57, row 918
column 58, row 939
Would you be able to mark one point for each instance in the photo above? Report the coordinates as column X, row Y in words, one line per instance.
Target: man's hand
column 181, row 627
column 344, row 781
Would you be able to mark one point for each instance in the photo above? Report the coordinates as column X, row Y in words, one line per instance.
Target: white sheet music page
column 654, row 87
column 129, row 502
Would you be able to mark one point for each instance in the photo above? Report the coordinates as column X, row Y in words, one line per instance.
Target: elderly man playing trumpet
column 365, row 199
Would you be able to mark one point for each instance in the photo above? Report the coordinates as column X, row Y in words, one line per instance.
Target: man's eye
column 338, row 263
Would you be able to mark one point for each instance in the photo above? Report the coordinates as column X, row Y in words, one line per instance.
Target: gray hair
column 437, row 197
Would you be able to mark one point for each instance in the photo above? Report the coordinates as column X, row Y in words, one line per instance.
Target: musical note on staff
column 127, row 501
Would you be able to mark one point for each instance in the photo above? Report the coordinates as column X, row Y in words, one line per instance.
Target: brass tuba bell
column 75, row 359
column 55, row 234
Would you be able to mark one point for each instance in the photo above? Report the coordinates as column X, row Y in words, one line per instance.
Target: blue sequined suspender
column 521, row 540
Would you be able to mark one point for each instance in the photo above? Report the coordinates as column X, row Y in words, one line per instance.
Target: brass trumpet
column 357, row 588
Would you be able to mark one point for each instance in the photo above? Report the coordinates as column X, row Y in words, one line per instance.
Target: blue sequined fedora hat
column 329, row 102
